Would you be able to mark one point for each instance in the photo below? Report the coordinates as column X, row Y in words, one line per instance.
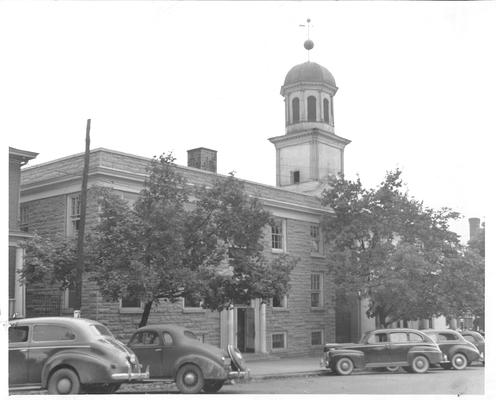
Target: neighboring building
column 307, row 156
column 17, row 231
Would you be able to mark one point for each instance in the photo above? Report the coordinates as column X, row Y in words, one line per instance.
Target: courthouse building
column 307, row 155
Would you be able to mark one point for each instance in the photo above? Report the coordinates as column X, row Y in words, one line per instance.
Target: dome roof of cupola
column 309, row 72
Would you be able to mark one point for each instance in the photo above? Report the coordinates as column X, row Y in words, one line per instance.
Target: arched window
column 296, row 109
column 326, row 110
column 312, row 108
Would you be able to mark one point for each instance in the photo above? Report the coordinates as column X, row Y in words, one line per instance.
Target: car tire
column 189, row 379
column 344, row 366
column 393, row 368
column 212, row 386
column 459, row 361
column 420, row 364
column 64, row 381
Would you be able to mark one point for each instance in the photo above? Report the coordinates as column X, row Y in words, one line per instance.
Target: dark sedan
column 68, row 356
column 458, row 351
column 384, row 348
column 478, row 340
column 175, row 353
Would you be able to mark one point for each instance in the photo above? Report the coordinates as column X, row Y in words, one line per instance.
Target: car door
column 376, row 349
column 46, row 341
column 18, row 354
column 172, row 351
column 148, row 346
column 399, row 346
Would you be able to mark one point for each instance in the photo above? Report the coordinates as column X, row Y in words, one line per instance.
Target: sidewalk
column 285, row 367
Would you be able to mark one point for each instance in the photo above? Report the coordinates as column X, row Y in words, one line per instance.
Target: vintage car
column 458, row 351
column 384, row 348
column 175, row 353
column 478, row 340
column 67, row 356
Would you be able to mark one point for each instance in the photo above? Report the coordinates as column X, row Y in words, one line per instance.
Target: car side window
column 446, row 337
column 414, row 337
column 377, row 338
column 18, row 334
column 48, row 333
column 398, row 337
column 145, row 338
column 168, row 341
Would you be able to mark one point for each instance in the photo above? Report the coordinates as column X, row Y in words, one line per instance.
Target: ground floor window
column 279, row 341
column 316, row 337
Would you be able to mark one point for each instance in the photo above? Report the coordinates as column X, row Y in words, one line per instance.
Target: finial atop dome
column 308, row 45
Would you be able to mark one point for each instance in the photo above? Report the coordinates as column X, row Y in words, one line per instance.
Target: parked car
column 175, row 353
column 458, row 351
column 478, row 340
column 68, row 355
column 384, row 348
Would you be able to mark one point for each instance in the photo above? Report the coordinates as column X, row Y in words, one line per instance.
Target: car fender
column 209, row 368
column 468, row 351
column 89, row 368
column 432, row 353
column 356, row 356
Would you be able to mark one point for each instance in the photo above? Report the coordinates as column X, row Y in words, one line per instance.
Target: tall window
column 295, row 176
column 24, row 218
column 295, row 105
column 316, row 241
column 312, row 108
column 326, row 110
column 278, row 340
column 316, row 292
column 278, row 235
column 316, row 337
column 74, row 214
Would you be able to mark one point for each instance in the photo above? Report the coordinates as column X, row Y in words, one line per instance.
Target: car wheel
column 64, row 381
column 189, row 379
column 420, row 364
column 212, row 386
column 393, row 368
column 344, row 366
column 459, row 361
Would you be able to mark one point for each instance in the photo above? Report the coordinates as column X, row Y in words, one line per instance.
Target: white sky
column 416, row 85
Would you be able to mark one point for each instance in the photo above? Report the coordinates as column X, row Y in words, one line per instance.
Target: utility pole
column 82, row 222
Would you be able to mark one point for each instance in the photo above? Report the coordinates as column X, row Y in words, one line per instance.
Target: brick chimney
column 203, row 158
column 474, row 224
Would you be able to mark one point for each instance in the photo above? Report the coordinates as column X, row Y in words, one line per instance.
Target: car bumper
column 239, row 375
column 131, row 376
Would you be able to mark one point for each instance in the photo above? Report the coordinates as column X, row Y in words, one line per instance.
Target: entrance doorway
column 245, row 329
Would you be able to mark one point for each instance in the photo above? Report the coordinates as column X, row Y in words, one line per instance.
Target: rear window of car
column 48, row 333
column 190, row 335
column 101, row 330
column 18, row 334
column 446, row 337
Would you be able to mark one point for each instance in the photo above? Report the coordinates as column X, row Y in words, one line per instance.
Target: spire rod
column 308, row 43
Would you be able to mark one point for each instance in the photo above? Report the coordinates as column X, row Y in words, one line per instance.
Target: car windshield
column 101, row 330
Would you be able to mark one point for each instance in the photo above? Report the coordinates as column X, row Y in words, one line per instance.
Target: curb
column 255, row 378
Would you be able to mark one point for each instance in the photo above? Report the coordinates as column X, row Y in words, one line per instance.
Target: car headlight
column 132, row 359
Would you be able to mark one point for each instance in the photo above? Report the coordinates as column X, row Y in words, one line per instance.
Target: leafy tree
column 388, row 248
column 168, row 247
column 51, row 261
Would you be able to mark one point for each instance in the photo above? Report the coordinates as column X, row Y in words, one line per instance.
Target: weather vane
column 308, row 43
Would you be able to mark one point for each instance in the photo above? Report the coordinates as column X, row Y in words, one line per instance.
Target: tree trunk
column 146, row 314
